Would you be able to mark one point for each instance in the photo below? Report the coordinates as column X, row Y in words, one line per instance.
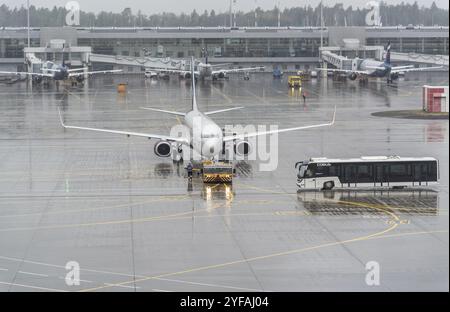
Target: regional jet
column 207, row 70
column 59, row 73
column 376, row 69
column 207, row 139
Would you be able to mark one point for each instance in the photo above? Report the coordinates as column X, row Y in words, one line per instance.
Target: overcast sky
column 177, row 6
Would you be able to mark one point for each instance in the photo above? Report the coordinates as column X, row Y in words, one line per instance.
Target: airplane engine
column 242, row 148
column 394, row 76
column 221, row 75
column 37, row 79
column 187, row 76
column 163, row 149
column 352, row 76
column 80, row 79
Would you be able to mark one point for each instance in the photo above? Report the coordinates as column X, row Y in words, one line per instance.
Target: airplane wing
column 220, row 65
column 223, row 111
column 127, row 133
column 376, row 67
column 250, row 135
column 236, row 70
column 170, row 71
column 76, row 69
column 397, row 70
column 163, row 111
column 346, row 71
column 26, row 73
column 75, row 74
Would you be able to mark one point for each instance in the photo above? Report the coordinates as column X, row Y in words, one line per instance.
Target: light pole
column 231, row 13
column 321, row 24
column 28, row 22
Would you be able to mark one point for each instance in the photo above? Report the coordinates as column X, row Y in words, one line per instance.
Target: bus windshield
column 304, row 172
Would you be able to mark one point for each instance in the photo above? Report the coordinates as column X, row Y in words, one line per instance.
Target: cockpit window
column 208, row 136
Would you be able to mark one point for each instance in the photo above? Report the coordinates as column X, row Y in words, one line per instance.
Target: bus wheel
column 328, row 186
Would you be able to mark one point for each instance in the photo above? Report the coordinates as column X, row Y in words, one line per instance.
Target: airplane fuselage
column 204, row 70
column 207, row 136
column 368, row 65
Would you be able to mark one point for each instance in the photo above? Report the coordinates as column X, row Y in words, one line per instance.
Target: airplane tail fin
column 388, row 54
column 194, row 96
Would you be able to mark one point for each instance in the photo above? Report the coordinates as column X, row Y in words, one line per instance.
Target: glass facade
column 180, row 43
column 13, row 48
column 437, row 45
column 217, row 47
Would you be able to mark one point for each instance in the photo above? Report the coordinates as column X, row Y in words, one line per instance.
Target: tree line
column 337, row 15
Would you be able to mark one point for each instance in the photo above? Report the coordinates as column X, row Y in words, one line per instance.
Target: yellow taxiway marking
column 295, row 251
column 140, row 220
column 163, row 198
column 289, row 252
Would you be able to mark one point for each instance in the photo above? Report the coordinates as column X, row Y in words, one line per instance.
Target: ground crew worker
column 304, row 96
column 190, row 169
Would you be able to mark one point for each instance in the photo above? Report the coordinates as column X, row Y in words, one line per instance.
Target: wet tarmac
column 133, row 222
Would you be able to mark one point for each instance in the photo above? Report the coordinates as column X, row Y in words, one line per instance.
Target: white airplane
column 207, row 139
column 372, row 68
column 60, row 73
column 206, row 70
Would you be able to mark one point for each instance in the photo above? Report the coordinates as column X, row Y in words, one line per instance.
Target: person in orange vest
column 304, row 94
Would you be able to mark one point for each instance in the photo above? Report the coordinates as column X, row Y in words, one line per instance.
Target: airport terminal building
column 291, row 48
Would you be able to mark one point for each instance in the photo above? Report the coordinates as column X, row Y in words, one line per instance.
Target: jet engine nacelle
column 80, row 79
column 187, row 76
column 221, row 75
column 163, row 149
column 37, row 79
column 242, row 148
column 352, row 76
column 394, row 76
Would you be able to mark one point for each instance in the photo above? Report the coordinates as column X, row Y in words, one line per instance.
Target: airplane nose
column 211, row 148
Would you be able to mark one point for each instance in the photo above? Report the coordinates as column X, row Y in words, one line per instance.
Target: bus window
column 334, row 170
column 381, row 173
column 349, row 174
column 420, row 172
column 365, row 173
column 400, row 172
column 432, row 171
column 322, row 171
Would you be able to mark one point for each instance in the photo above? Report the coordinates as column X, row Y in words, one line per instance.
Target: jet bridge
column 142, row 62
column 349, row 56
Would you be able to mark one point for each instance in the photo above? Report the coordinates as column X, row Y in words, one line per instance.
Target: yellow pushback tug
column 217, row 172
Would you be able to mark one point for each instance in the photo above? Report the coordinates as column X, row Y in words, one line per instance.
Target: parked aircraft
column 207, row 137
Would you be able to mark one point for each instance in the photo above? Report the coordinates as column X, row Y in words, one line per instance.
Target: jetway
column 137, row 61
column 349, row 56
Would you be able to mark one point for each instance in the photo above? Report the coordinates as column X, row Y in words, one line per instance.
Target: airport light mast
column 28, row 23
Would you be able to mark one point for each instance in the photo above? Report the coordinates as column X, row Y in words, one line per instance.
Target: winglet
column 334, row 115
column 61, row 119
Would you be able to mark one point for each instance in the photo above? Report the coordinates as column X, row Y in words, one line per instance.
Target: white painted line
column 123, row 286
column 1, row 269
column 35, row 274
column 33, row 287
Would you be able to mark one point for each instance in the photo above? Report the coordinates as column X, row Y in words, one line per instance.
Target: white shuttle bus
column 367, row 172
